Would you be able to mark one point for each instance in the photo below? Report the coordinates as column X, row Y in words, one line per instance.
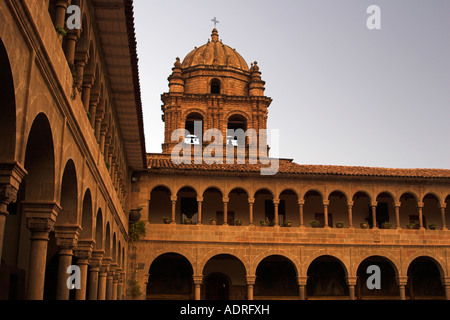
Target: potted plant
column 238, row 222
column 340, row 225
column 364, row 225
column 135, row 214
column 314, row 223
column 167, row 220
column 386, row 225
column 288, row 223
column 187, row 221
column 213, row 221
column 432, row 226
column 264, row 223
column 411, row 226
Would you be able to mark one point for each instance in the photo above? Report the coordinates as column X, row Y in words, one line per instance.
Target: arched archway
column 313, row 209
column 224, row 276
column 212, row 207
column 327, row 279
column 170, row 278
column 389, row 273
column 7, row 109
column 362, row 208
column 160, row 204
column 238, row 204
column 425, row 280
column 187, row 205
column 276, row 278
column 86, row 217
column 338, row 208
column 263, row 208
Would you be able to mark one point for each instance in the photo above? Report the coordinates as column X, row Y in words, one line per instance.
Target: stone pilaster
column 66, row 240
column 40, row 220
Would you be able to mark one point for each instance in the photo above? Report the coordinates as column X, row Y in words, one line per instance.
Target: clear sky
column 342, row 94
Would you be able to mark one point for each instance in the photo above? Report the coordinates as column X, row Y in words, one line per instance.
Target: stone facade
column 64, row 166
column 206, row 223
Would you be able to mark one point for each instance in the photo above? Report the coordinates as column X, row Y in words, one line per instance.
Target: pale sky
column 342, row 94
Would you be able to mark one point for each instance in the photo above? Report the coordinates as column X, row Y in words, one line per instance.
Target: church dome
column 215, row 54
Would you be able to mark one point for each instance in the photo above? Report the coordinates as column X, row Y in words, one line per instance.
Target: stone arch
column 175, row 250
column 278, row 252
column 322, row 253
column 320, row 192
column 238, row 112
column 439, row 262
column 387, row 256
column 114, row 248
column 207, row 187
column 170, row 276
column 338, row 190
column 390, row 271
column 289, row 189
column 221, row 251
column 228, row 191
column 108, row 245
column 365, row 192
column 163, row 185
column 7, row 108
column 425, row 278
column 193, row 110
column 327, row 276
column 434, row 194
column 69, row 195
column 40, row 161
column 99, row 245
column 87, row 230
column 276, row 278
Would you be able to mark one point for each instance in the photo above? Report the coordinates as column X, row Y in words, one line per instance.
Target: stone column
column 11, row 175
column 443, row 207
column 326, row 203
column 251, row 202
column 350, row 214
column 250, row 285
column 351, row 281
column 199, row 204
column 40, row 219
column 104, row 268
column 115, row 283
column 83, row 254
column 88, row 81
column 7, row 195
column 446, row 285
column 198, row 280
column 93, row 103
column 276, row 203
column 302, row 281
column 120, row 285
column 174, row 207
column 374, row 214
column 109, row 283
column 66, row 240
column 80, row 64
column 420, row 209
column 95, row 263
column 71, row 43
column 225, row 211
column 60, row 12
column 402, row 281
column 301, row 203
column 397, row 206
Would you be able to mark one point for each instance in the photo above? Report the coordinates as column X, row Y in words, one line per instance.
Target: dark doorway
column 217, row 287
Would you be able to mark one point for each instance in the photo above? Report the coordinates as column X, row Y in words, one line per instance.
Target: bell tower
column 213, row 88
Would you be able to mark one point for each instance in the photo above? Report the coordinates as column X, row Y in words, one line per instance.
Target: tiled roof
column 162, row 162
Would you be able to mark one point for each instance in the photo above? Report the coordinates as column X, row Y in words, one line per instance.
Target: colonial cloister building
column 74, row 171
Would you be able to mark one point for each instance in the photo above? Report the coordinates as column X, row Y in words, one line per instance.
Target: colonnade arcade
column 61, row 197
column 404, row 209
column 226, row 276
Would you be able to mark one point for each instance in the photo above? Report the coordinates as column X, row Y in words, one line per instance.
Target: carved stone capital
column 40, row 225
column 8, row 194
column 67, row 236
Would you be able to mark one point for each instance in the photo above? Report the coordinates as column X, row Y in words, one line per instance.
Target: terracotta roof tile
column 287, row 166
